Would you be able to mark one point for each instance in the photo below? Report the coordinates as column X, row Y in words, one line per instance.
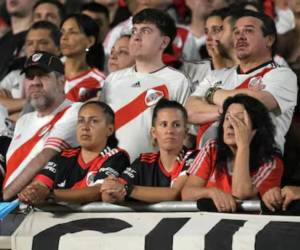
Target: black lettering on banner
column 49, row 238
column 161, row 237
column 278, row 235
column 220, row 236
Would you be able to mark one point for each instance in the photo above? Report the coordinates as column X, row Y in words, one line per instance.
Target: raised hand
column 242, row 129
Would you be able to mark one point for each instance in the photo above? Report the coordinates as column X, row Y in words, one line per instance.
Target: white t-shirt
column 14, row 82
column 281, row 82
column 196, row 71
column 136, row 94
column 58, row 137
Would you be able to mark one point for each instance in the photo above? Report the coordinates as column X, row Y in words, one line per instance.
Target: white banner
column 156, row 231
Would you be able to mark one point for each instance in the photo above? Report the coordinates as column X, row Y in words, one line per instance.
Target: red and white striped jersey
column 34, row 133
column 268, row 175
column 133, row 95
column 84, row 86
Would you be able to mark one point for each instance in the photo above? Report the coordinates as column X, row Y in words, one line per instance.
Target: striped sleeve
column 204, row 162
column 268, row 175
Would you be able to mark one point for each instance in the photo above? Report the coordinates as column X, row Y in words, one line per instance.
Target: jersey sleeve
column 203, row 86
column 114, row 165
column 268, row 175
column 48, row 173
column 275, row 83
column 131, row 174
column 63, row 134
column 203, row 164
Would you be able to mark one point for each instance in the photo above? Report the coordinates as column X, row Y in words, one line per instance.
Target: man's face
column 226, row 39
column 20, row 8
column 249, row 42
column 40, row 40
column 147, row 41
column 47, row 12
column 42, row 88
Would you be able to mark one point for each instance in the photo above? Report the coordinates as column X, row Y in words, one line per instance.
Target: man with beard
column 40, row 135
column 256, row 75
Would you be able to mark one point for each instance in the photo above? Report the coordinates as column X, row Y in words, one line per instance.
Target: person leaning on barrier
column 76, row 174
column 242, row 162
column 157, row 176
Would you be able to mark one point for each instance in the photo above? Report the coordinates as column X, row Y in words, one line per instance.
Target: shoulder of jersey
column 149, row 157
column 98, row 72
column 175, row 73
column 119, row 73
column 70, row 152
column 108, row 152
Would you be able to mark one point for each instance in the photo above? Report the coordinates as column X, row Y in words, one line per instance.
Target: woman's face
column 169, row 129
column 236, row 110
column 73, row 41
column 213, row 31
column 120, row 57
column 92, row 129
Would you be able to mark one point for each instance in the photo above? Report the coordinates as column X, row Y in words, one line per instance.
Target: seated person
column 76, row 174
column 120, row 57
column 157, row 176
column 241, row 162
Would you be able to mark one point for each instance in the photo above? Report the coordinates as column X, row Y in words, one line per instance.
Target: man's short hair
column 268, row 25
column 160, row 19
column 95, row 7
column 61, row 8
column 53, row 29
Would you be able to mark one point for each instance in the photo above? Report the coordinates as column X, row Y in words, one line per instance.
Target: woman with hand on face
column 242, row 162
column 75, row 175
column 157, row 176
column 84, row 57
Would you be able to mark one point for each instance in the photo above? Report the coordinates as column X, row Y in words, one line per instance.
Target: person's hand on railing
column 112, row 190
column 34, row 193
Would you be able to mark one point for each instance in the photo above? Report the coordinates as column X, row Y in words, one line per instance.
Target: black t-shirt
column 4, row 144
column 68, row 170
column 11, row 47
column 147, row 170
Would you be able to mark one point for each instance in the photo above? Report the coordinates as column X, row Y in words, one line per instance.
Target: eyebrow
column 247, row 26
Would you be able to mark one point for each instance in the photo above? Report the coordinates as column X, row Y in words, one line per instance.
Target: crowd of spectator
column 150, row 100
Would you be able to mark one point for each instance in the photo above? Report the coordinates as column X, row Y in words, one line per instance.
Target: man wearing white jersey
column 133, row 92
column 39, row 135
column 256, row 75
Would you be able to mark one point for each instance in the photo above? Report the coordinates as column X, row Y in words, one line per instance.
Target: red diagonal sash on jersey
column 136, row 107
column 21, row 153
column 243, row 85
column 93, row 169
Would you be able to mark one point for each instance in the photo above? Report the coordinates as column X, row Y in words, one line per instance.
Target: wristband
column 128, row 189
column 209, row 95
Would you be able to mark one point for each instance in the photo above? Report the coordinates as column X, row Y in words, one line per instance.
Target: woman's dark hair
column 164, row 104
column 112, row 140
column 95, row 54
column 262, row 146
